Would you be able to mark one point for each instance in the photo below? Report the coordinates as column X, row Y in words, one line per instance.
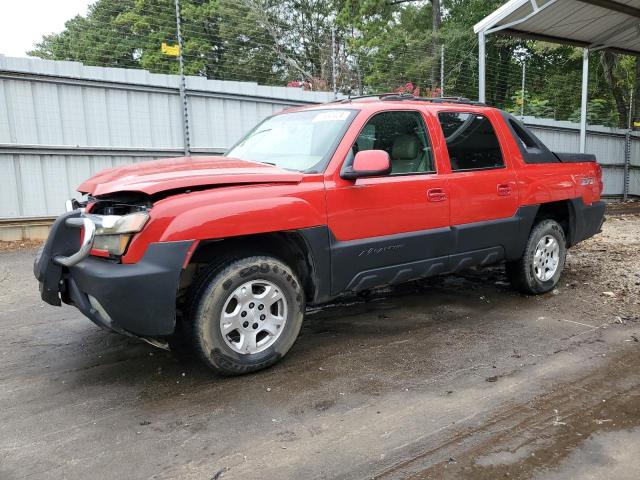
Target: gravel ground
column 456, row 377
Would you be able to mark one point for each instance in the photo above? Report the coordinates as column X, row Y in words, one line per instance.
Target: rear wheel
column 539, row 269
column 245, row 314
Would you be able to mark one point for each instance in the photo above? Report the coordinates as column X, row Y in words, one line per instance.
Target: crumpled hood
column 185, row 172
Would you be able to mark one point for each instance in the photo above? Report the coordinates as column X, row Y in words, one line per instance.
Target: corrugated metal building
column 61, row 122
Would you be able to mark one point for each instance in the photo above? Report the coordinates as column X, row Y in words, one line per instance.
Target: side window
column 471, row 141
column 403, row 136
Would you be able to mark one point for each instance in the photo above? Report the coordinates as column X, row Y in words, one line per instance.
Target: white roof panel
column 586, row 23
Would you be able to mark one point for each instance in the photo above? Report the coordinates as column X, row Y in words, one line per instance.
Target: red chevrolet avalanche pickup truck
column 313, row 203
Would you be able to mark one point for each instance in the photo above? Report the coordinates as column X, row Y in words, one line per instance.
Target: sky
column 24, row 22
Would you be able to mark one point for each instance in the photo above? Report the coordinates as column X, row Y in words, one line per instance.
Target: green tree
column 97, row 39
column 381, row 45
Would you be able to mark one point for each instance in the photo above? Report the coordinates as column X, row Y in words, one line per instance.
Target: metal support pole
column 333, row 62
column 359, row 73
column 583, row 104
column 627, row 150
column 524, row 73
column 442, row 70
column 481, row 67
column 627, row 165
column 631, row 109
column 183, row 87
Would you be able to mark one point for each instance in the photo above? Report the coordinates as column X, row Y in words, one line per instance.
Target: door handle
column 436, row 195
column 504, row 189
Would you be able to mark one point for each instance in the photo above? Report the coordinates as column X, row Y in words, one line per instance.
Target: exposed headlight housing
column 116, row 224
column 114, row 232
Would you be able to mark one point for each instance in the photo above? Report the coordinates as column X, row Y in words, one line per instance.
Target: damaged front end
column 80, row 265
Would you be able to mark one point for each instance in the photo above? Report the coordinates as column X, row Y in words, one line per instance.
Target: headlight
column 114, row 245
column 113, row 224
column 113, row 232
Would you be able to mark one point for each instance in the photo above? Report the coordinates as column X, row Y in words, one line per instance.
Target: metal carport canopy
column 590, row 24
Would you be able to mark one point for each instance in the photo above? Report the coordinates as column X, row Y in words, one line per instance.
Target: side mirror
column 368, row 163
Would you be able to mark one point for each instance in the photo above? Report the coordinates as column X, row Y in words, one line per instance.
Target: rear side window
column 471, row 141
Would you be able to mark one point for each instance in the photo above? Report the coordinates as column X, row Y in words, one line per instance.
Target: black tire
column 211, row 291
column 522, row 272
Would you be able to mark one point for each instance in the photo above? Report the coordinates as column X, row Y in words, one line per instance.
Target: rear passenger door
column 482, row 187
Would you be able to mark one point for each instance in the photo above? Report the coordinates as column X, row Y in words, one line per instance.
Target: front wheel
column 539, row 269
column 246, row 314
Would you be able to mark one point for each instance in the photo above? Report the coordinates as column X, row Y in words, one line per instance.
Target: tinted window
column 471, row 141
column 403, row 136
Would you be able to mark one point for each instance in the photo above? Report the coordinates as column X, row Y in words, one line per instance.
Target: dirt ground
column 455, row 377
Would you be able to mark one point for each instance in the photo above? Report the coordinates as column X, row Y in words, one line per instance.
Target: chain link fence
column 170, row 77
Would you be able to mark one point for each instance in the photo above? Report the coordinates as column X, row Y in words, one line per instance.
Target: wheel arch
column 302, row 250
column 563, row 212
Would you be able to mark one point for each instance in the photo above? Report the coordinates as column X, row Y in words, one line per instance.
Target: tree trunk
column 436, row 21
column 609, row 61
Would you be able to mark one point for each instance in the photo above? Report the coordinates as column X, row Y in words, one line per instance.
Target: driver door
column 392, row 228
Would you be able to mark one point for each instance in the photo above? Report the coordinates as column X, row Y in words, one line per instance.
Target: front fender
column 224, row 213
column 242, row 218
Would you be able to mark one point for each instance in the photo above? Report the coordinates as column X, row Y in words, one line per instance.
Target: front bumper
column 138, row 299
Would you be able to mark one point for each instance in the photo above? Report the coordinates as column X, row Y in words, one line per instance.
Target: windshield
column 301, row 141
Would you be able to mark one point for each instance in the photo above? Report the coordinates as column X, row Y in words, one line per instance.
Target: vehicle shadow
column 419, row 317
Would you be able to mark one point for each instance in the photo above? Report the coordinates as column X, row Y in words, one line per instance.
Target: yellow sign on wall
column 170, row 50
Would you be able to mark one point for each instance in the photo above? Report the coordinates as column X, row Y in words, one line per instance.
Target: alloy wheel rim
column 546, row 258
column 253, row 316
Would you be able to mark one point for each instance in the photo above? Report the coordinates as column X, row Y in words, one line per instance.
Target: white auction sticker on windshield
column 337, row 116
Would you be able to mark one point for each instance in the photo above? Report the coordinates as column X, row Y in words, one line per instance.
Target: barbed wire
column 275, row 55
column 414, row 56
